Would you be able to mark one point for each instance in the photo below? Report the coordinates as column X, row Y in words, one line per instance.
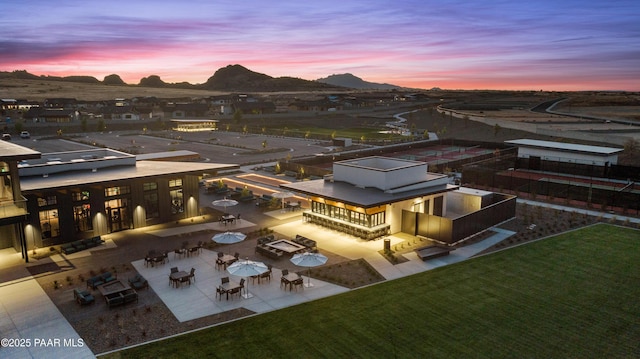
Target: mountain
column 239, row 78
column 354, row 82
column 113, row 79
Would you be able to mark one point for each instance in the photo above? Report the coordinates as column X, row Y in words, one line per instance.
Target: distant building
column 194, row 125
column 536, row 151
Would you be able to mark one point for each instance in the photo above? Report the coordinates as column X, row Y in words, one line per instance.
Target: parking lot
column 218, row 146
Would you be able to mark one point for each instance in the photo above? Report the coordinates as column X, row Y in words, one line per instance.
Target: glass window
column 47, row 201
column 49, row 223
column 82, row 218
column 116, row 191
column 177, row 203
column 80, row 196
column 150, row 186
column 177, row 182
column 151, row 204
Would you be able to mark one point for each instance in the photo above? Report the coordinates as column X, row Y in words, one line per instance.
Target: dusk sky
column 520, row 45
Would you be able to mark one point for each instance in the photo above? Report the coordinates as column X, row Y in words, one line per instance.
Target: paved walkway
column 27, row 313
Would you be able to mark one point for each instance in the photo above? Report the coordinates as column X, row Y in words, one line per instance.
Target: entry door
column 118, row 217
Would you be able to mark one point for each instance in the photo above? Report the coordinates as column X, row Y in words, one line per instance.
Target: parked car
column 6, row 137
column 25, row 134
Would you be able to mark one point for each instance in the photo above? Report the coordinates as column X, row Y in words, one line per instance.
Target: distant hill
column 239, row 78
column 354, row 82
column 230, row 78
column 24, row 75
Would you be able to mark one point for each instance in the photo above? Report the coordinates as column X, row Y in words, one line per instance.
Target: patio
column 199, row 299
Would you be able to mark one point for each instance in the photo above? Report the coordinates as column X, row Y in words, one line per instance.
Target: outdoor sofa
column 103, row 278
column 80, row 245
column 83, row 297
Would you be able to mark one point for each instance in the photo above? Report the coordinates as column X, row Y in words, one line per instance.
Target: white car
column 25, row 134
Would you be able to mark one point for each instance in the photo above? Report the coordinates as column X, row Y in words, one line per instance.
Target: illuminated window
column 82, row 218
column 80, row 196
column 177, row 182
column 49, row 223
column 116, row 191
column 47, row 201
column 177, row 202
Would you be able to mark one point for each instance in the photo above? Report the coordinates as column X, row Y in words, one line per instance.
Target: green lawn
column 572, row 296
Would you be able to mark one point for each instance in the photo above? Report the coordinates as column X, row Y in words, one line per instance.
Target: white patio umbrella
column 309, row 259
column 229, row 237
column 247, row 268
column 282, row 195
column 225, row 202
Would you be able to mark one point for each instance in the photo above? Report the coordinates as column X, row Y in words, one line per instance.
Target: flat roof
column 12, row 152
column 166, row 154
column 569, row 147
column 360, row 197
column 379, row 163
column 186, row 120
column 142, row 169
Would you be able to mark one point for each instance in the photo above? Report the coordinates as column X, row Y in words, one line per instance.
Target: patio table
column 228, row 218
column 177, row 276
column 229, row 287
column 289, row 278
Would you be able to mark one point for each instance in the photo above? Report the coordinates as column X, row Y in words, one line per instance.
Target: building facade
column 81, row 194
column 375, row 196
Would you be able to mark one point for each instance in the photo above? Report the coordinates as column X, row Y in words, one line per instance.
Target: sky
column 561, row 45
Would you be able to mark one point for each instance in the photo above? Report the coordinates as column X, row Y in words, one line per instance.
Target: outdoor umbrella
column 282, row 195
column 247, row 268
column 309, row 259
column 225, row 202
column 229, row 237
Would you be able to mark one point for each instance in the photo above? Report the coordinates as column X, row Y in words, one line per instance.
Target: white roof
column 571, row 147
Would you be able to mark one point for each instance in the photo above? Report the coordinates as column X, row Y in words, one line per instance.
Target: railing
column 14, row 208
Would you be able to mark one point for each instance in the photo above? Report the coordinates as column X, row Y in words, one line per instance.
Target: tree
column 83, row 124
column 18, row 126
column 496, row 129
column 425, row 134
column 631, row 145
column 100, row 125
column 237, row 116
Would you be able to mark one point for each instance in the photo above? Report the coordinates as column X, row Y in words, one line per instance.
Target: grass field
column 571, row 296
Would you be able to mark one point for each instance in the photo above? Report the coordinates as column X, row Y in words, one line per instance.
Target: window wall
column 349, row 215
column 176, row 196
column 151, row 204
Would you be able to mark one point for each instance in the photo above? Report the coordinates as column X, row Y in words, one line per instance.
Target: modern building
column 374, row 196
column 194, row 125
column 536, row 151
column 81, row 194
column 13, row 206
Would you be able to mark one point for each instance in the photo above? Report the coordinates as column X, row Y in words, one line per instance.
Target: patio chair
column 297, row 283
column 234, row 291
column 178, row 253
column 219, row 292
column 242, row 283
column 186, row 279
column 225, row 280
column 174, row 269
column 220, row 264
column 192, row 274
column 267, row 274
